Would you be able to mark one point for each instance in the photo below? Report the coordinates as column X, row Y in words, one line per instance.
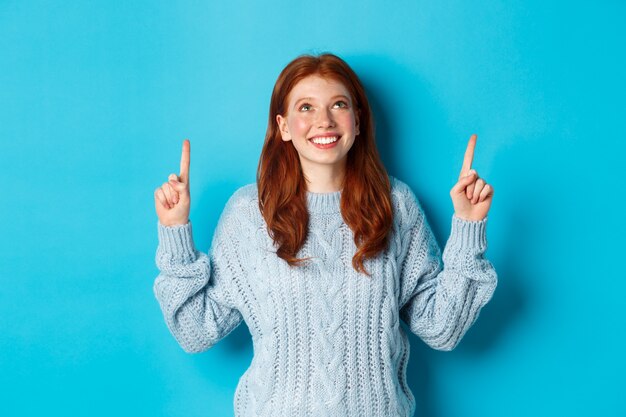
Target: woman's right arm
column 193, row 289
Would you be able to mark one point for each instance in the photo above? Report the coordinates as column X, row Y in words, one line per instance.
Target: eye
column 342, row 103
column 305, row 107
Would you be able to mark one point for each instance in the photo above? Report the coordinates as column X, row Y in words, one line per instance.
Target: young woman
column 322, row 257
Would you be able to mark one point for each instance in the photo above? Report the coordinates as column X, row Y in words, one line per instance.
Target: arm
column 195, row 290
column 440, row 303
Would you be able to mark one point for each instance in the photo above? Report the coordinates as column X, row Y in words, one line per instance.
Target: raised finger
column 184, row 161
column 469, row 156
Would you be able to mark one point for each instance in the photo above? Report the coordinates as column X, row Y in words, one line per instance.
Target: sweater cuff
column 177, row 241
column 469, row 233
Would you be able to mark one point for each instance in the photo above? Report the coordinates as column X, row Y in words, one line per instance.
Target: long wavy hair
column 366, row 191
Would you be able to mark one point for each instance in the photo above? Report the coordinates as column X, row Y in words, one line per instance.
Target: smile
column 325, row 140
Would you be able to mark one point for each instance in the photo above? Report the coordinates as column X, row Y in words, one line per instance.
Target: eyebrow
column 311, row 98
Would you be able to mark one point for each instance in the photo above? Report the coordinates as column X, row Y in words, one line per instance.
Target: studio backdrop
column 97, row 97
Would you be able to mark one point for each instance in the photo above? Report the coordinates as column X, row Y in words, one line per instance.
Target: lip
column 326, row 135
column 325, row 146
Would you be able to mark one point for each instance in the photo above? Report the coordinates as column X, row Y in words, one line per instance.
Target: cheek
column 347, row 119
column 300, row 125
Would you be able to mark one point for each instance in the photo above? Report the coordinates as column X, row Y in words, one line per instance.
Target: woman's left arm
column 441, row 302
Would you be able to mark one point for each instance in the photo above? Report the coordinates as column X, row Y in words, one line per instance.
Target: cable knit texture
column 327, row 340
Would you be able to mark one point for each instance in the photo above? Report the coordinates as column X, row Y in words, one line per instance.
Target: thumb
column 462, row 184
column 175, row 182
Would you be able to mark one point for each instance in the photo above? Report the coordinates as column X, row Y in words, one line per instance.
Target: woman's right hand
column 172, row 199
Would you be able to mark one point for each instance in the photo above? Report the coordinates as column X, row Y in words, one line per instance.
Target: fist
column 471, row 195
column 172, row 199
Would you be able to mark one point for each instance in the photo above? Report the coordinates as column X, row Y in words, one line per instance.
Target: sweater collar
column 324, row 202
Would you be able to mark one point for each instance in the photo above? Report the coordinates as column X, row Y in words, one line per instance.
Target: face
column 319, row 110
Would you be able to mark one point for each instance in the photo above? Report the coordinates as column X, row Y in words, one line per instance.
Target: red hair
column 366, row 192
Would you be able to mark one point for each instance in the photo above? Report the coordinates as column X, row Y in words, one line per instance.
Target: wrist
column 468, row 233
column 469, row 218
column 177, row 241
column 173, row 223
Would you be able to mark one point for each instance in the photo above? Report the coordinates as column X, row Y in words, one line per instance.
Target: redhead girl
column 322, row 257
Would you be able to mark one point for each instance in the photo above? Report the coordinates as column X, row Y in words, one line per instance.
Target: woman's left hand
column 471, row 195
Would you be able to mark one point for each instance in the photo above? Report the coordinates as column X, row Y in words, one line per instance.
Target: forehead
column 317, row 87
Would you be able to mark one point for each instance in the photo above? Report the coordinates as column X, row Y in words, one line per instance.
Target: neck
column 324, row 179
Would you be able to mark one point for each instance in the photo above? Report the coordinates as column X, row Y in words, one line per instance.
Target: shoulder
column 244, row 196
column 402, row 195
column 406, row 205
column 238, row 215
column 241, row 207
column 242, row 202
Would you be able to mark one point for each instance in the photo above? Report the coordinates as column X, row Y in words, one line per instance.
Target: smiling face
column 321, row 123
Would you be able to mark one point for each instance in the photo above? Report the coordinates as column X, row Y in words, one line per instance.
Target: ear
column 357, row 117
column 283, row 128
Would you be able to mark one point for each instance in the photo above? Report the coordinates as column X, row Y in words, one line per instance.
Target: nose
column 325, row 118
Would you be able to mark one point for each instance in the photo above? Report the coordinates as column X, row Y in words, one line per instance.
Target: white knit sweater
column 327, row 340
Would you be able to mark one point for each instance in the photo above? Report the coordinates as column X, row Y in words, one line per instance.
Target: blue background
column 97, row 97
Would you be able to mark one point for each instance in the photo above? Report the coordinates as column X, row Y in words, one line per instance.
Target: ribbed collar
column 324, row 202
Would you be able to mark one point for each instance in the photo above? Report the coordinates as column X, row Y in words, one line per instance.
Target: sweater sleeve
column 441, row 300
column 195, row 290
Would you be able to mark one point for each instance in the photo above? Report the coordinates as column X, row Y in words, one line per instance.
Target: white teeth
column 325, row 141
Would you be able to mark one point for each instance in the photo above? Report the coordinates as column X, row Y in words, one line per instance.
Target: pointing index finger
column 184, row 162
column 469, row 156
